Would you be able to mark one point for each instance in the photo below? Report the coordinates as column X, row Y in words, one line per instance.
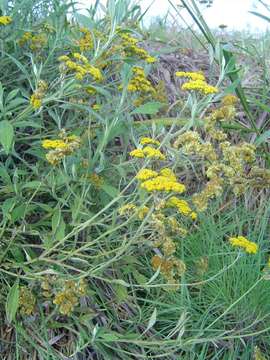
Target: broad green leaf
column 7, row 206
column 141, row 279
column 117, row 130
column 21, row 211
column 121, row 293
column 12, row 95
column 6, row 135
column 23, row 124
column 149, row 108
column 14, row 104
column 17, row 254
column 18, row 212
column 110, row 190
column 12, row 302
column 85, row 21
column 32, row 185
column 4, row 175
column 112, row 336
column 165, row 122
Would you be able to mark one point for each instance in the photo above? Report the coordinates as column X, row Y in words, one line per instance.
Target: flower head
column 148, row 152
column 163, row 183
column 242, row 242
column 145, row 174
column 5, row 20
column 148, row 141
column 191, row 75
column 35, row 101
column 200, row 86
column 59, row 148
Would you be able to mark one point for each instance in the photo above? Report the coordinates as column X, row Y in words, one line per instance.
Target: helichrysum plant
column 96, row 232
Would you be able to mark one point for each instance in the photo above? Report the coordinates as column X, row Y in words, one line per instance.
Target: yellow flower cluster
column 80, row 67
column 25, row 38
column 236, row 156
column 90, row 90
column 202, row 265
column 85, row 43
column 218, row 169
column 165, row 181
column 148, row 152
column 37, row 96
column 35, row 42
column 191, row 144
column 149, row 141
column 96, row 180
column 165, row 224
column 258, row 355
column 55, row 144
column 242, row 242
column 225, row 164
column 229, row 100
column 145, row 174
column 131, row 48
column 27, row 301
column 139, row 82
column 47, row 285
column 151, row 152
column 60, row 148
column 224, row 113
column 5, row 20
column 140, row 85
column 259, row 177
column 182, row 206
column 191, row 75
column 197, row 82
column 174, row 227
column 142, row 212
column 129, row 209
column 69, row 297
column 200, row 86
column 49, row 28
column 170, row 268
column 162, row 183
column 138, row 153
column 96, row 107
column 212, row 189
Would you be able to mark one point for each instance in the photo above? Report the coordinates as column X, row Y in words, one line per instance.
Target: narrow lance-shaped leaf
column 6, row 135
column 12, row 302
